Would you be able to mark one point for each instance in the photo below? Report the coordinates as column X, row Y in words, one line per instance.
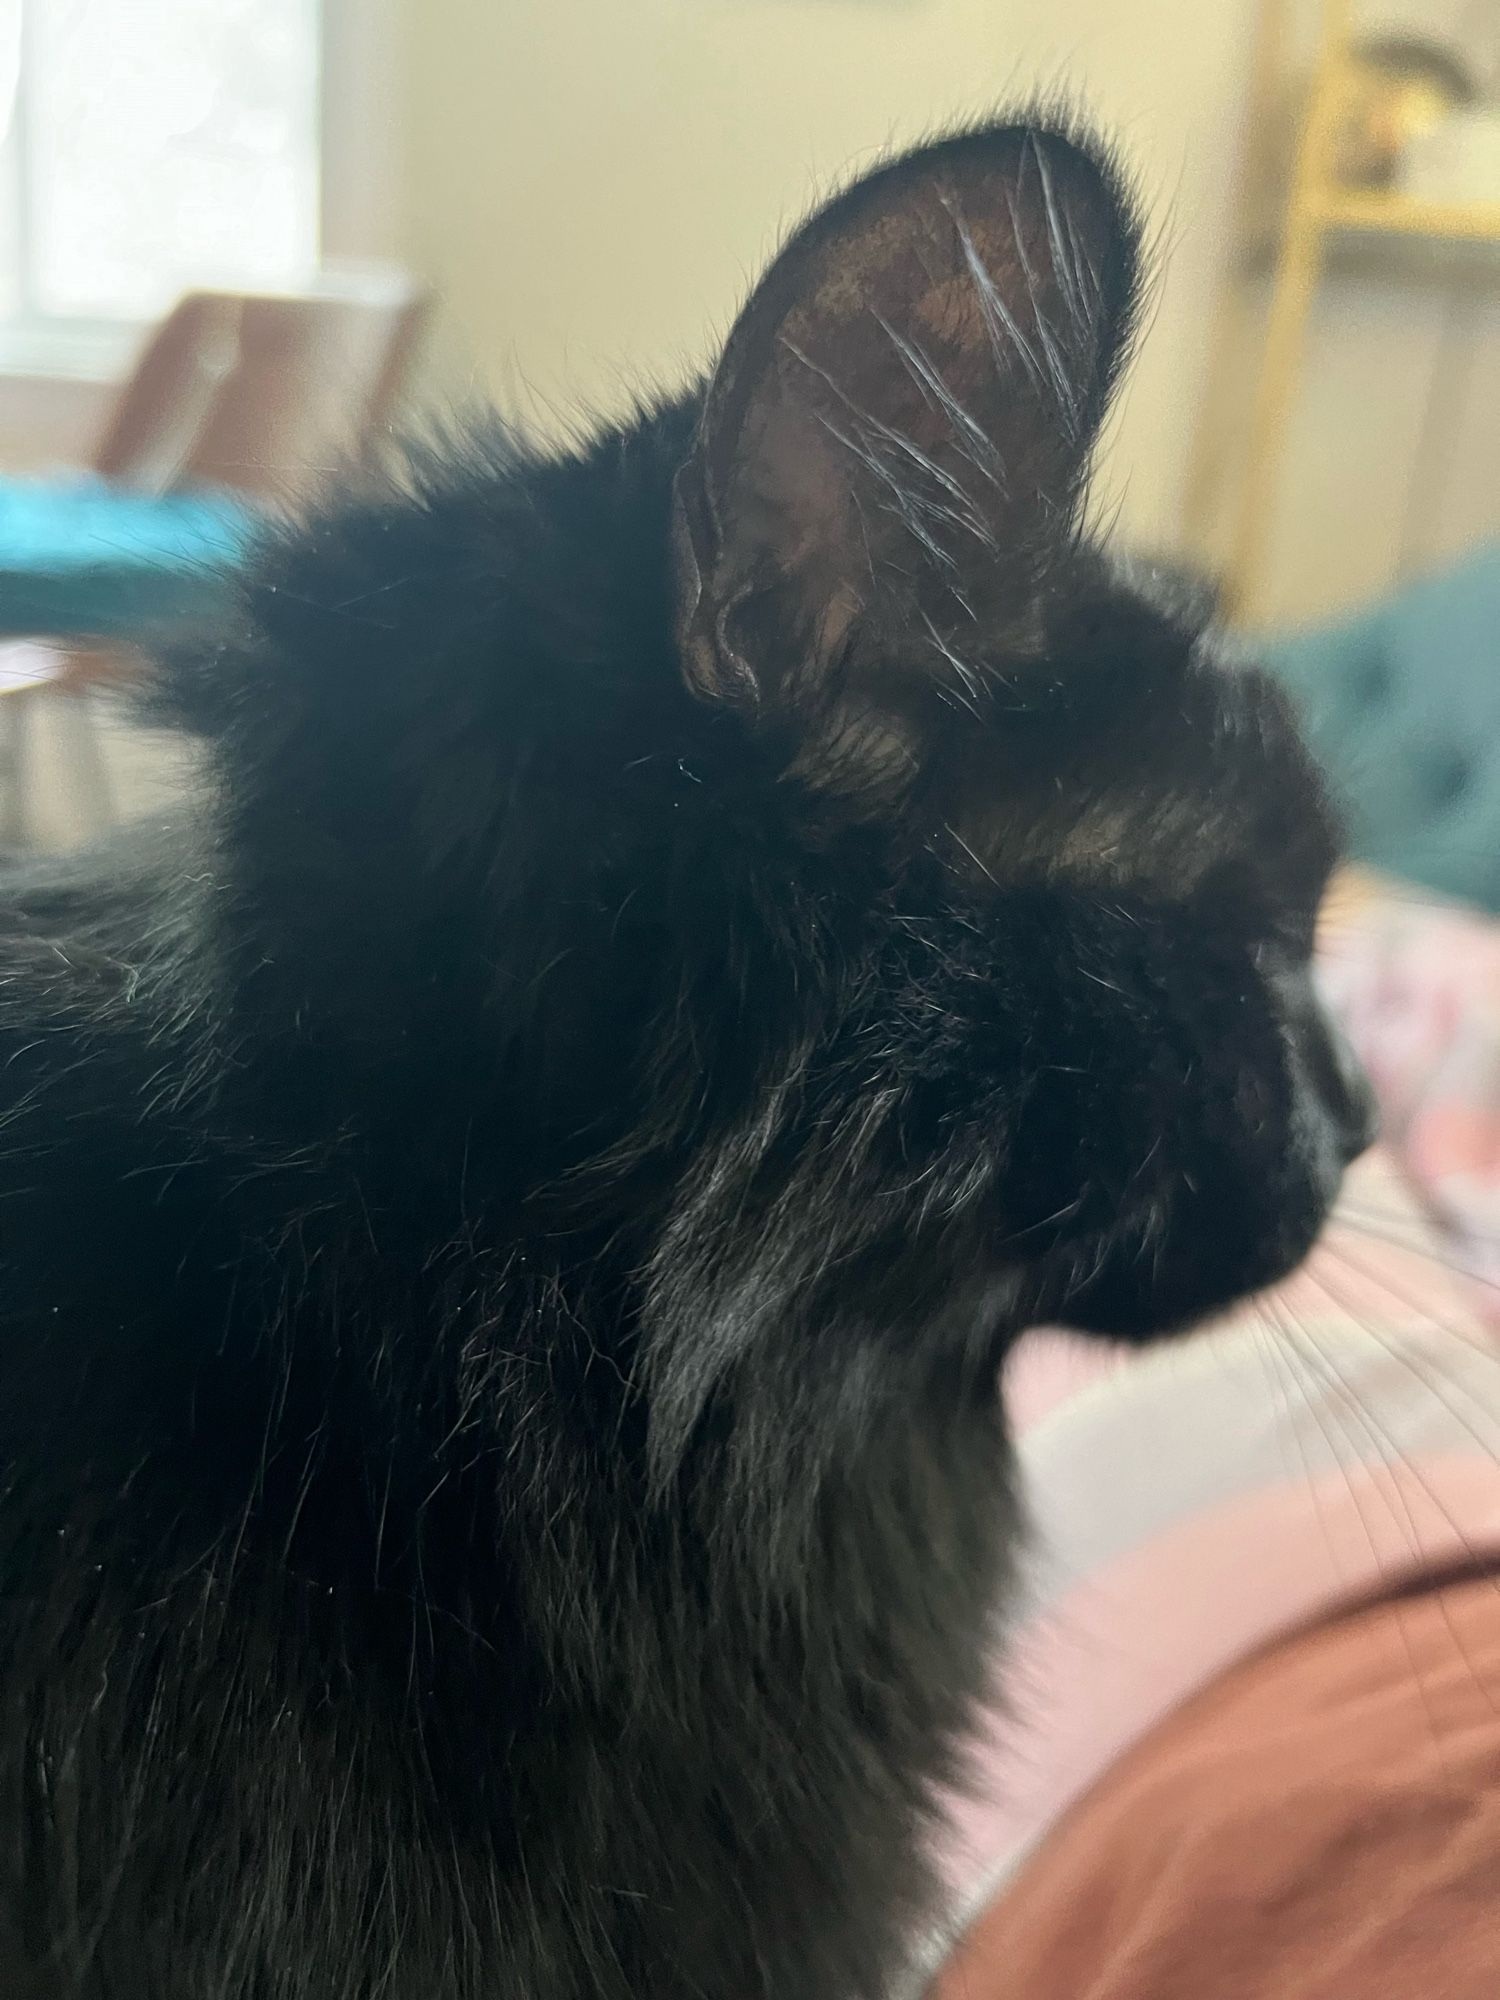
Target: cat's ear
column 891, row 452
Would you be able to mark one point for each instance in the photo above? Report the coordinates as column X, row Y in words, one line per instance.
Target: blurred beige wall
column 592, row 183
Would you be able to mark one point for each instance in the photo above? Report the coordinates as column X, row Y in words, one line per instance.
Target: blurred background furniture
column 1402, row 704
column 237, row 404
column 1340, row 170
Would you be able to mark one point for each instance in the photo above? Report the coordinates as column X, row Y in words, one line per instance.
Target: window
column 149, row 146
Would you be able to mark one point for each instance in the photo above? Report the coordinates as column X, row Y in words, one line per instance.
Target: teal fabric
column 83, row 559
column 1403, row 705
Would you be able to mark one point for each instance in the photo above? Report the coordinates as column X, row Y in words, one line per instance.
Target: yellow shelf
column 1402, row 215
column 1319, row 218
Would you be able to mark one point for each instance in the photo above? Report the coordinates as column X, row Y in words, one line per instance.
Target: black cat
column 511, row 1213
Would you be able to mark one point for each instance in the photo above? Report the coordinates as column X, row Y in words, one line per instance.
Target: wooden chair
column 256, row 395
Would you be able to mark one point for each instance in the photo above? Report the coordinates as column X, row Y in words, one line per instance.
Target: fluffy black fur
column 512, row 1211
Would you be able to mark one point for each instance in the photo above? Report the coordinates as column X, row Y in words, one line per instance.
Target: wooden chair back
column 261, row 394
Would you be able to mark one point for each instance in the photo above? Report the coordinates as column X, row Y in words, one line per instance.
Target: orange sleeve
column 1323, row 1824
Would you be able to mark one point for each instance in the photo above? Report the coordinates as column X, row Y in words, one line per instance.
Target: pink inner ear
column 890, row 456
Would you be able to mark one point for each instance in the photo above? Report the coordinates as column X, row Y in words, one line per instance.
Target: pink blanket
column 1418, row 986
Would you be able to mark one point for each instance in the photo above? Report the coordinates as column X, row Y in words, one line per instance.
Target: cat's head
column 1060, row 858
column 904, row 913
